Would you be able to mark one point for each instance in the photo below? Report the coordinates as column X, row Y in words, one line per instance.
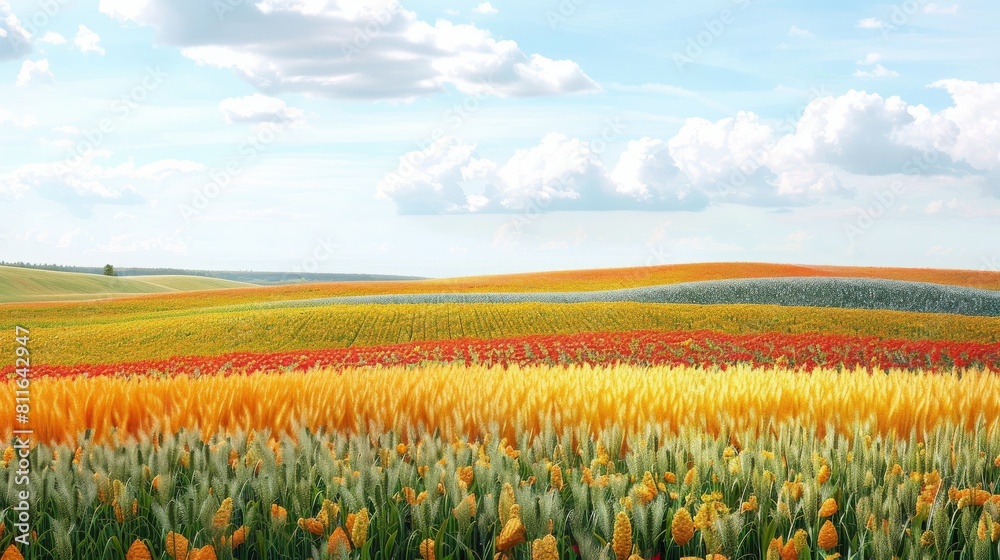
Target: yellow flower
column 8, row 456
column 682, row 527
column 278, row 514
column 401, row 449
column 464, row 476
column 545, row 549
column 927, row 538
column 750, row 504
column 827, row 536
column 177, row 546
column 359, row 532
column 828, row 508
column 824, row 474
column 513, row 532
column 138, row 551
column 556, row 478
column 223, row 514
column 621, row 541
column 506, row 502
column 427, row 549
column 670, row 477
column 338, row 542
column 691, row 478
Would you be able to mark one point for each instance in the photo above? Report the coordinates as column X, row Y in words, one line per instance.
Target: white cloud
column 34, row 71
column 795, row 31
column 22, row 121
column 869, row 59
column 934, row 207
column 737, row 160
column 941, row 10
column 83, row 183
column 870, row 23
column 16, row 41
column 348, row 50
column 259, row 108
column 647, row 172
column 878, row 71
column 970, row 129
column 486, row 8
column 87, row 41
column 52, row 38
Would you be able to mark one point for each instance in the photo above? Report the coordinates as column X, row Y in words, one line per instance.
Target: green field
column 28, row 285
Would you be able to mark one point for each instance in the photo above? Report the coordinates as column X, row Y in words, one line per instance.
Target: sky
column 446, row 139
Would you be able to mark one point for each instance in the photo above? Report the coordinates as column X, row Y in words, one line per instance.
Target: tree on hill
column 109, row 270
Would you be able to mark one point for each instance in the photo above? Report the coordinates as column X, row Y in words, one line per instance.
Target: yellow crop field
column 270, row 330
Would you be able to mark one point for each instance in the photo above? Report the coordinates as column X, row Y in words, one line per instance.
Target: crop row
column 468, row 401
column 704, row 348
column 340, row 326
column 784, row 493
column 564, row 281
column 852, row 293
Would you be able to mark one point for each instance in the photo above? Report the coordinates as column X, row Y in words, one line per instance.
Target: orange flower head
column 138, row 551
column 427, row 549
column 177, row 546
column 545, row 549
column 621, row 541
column 828, row 508
column 338, row 541
column 224, row 514
column 827, row 536
column 682, row 527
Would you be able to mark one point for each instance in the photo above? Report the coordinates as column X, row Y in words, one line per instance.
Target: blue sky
column 409, row 138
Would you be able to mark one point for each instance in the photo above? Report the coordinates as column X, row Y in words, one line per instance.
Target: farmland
column 690, row 411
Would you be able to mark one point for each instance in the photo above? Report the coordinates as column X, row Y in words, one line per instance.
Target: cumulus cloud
column 870, row 23
column 342, row 49
column 486, row 8
column 34, row 71
column 52, row 38
column 878, row 71
column 87, row 41
column 88, row 181
column 15, row 40
column 740, row 160
column 22, row 121
column 258, row 108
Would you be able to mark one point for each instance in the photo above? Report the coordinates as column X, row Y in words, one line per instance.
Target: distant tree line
column 249, row 276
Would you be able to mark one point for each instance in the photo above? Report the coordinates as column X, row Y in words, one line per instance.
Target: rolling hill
column 29, row 285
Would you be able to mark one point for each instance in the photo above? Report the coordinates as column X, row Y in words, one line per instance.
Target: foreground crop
column 781, row 494
column 460, row 401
